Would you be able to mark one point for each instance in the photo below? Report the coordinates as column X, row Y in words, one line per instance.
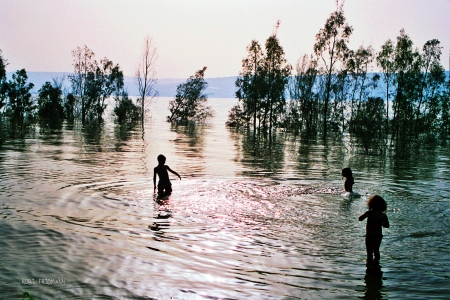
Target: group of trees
column 91, row 84
column 334, row 89
column 261, row 86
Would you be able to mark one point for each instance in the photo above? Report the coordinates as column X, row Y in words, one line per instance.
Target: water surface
column 251, row 220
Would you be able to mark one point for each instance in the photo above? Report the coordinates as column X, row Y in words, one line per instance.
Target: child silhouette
column 376, row 219
column 349, row 181
column 164, row 185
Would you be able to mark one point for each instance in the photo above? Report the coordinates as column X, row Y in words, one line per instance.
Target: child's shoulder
column 159, row 167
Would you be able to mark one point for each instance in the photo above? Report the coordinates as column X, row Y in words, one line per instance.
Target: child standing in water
column 349, row 181
column 164, row 185
column 376, row 219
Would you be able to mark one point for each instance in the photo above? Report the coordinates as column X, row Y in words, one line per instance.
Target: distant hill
column 217, row 87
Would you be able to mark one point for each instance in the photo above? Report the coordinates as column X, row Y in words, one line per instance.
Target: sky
column 40, row 35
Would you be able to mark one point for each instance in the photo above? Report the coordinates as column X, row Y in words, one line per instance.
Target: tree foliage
column 125, row 110
column 92, row 83
column 304, row 110
column 250, row 88
column 190, row 101
column 261, row 86
column 332, row 50
column 21, row 107
column 50, row 103
column 3, row 81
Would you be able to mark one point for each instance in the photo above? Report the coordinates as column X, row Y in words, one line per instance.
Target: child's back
column 349, row 181
column 163, row 175
column 376, row 220
column 164, row 185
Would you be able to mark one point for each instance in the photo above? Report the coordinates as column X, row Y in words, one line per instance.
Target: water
column 79, row 219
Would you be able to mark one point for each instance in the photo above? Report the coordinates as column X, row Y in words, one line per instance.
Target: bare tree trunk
column 146, row 75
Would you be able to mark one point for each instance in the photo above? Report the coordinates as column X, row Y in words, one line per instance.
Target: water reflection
column 190, row 138
column 260, row 156
column 374, row 284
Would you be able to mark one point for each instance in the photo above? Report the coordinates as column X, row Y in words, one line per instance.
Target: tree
column 444, row 131
column 330, row 48
column 3, row 82
column 20, row 107
column 276, row 77
column 125, row 110
column 302, row 92
column 407, row 65
column 249, row 84
column 69, row 107
column 368, row 124
column 101, row 84
column 386, row 60
column 50, row 107
column 146, row 75
column 357, row 65
column 83, row 63
column 432, row 76
column 92, row 83
column 189, row 102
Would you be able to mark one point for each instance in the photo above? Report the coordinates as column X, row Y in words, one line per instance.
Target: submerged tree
column 20, row 107
column 101, row 84
column 305, row 105
column 83, row 63
column 386, row 60
column 70, row 107
column 444, row 131
column 189, row 102
column 3, row 91
column 50, row 103
column 249, row 84
column 92, row 83
column 3, row 81
column 262, row 86
column 330, row 48
column 368, row 124
column 432, row 79
column 276, row 77
column 146, row 75
column 358, row 64
column 125, row 110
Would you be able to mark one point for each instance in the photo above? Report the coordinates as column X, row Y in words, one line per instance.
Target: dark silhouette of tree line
column 334, row 90
column 91, row 84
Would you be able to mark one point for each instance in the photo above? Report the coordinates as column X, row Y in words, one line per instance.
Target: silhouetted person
column 376, row 219
column 164, row 185
column 349, row 181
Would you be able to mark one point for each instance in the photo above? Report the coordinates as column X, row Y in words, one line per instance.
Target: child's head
column 161, row 159
column 347, row 172
column 377, row 203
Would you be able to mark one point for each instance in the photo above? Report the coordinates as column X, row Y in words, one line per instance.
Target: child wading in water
column 349, row 181
column 376, row 219
column 164, row 185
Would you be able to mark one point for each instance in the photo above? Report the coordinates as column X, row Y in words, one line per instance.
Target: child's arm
column 363, row 216
column 173, row 172
column 385, row 221
column 154, row 180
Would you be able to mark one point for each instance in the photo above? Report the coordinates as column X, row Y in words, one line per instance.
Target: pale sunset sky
column 39, row 35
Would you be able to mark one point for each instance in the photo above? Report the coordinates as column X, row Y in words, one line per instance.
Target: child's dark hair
column 161, row 158
column 347, row 172
column 377, row 203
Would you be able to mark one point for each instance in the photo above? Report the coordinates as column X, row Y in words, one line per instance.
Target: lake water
column 79, row 218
